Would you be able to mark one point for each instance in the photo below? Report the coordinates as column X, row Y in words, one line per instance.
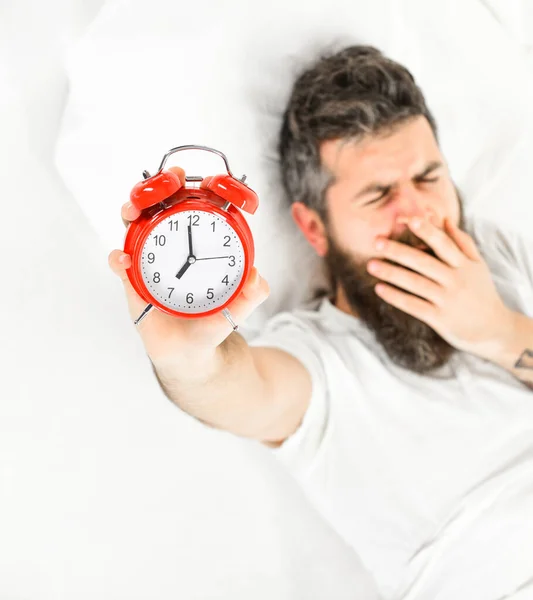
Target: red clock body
column 191, row 248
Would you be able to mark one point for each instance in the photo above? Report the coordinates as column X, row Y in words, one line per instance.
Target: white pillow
column 219, row 74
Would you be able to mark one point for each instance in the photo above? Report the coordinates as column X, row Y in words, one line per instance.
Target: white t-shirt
column 428, row 478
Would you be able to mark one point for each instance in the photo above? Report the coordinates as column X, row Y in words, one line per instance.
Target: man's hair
column 343, row 95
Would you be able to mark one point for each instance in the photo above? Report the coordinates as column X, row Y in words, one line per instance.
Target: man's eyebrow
column 381, row 187
column 372, row 187
column 432, row 166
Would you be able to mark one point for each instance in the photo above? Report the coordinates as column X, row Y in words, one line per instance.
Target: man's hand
column 458, row 298
column 167, row 338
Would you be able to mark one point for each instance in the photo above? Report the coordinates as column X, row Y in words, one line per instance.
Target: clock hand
column 181, row 272
column 212, row 257
column 191, row 253
column 190, row 261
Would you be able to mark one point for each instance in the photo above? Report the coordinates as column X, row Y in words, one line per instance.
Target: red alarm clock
column 191, row 248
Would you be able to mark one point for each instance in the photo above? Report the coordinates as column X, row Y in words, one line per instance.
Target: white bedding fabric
column 142, row 82
column 106, row 489
column 428, row 478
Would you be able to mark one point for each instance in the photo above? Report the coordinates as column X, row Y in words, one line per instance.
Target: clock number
column 227, row 240
column 213, row 225
column 171, row 290
column 189, row 298
column 210, row 294
column 196, row 219
column 175, row 223
column 151, row 258
column 157, row 277
column 225, row 280
column 231, row 261
column 160, row 240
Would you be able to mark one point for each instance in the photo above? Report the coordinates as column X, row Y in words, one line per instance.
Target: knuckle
column 453, row 286
column 114, row 261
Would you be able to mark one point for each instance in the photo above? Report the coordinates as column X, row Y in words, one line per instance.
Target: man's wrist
column 197, row 366
column 513, row 349
column 502, row 346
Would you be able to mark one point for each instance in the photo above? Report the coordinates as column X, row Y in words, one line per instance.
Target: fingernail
column 122, row 258
column 128, row 205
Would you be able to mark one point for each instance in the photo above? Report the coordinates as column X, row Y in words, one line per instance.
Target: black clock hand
column 190, row 261
column 191, row 253
column 212, row 257
column 181, row 272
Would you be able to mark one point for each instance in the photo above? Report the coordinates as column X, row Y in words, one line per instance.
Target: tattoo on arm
column 525, row 361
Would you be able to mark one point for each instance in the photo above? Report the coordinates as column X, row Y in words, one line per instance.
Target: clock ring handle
column 194, row 147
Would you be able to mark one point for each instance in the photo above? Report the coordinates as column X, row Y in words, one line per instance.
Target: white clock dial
column 197, row 282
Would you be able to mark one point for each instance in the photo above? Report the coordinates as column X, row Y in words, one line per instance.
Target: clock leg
column 227, row 314
column 143, row 314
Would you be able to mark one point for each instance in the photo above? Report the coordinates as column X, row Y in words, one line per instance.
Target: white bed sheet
column 107, row 490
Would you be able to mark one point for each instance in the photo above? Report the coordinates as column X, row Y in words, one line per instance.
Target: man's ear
column 312, row 226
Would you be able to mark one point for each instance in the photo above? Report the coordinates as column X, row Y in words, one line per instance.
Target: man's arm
column 214, row 375
column 515, row 351
column 255, row 392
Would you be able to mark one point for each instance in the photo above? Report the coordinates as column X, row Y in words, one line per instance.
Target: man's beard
column 408, row 342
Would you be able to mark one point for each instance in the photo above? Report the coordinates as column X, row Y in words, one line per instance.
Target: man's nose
column 410, row 205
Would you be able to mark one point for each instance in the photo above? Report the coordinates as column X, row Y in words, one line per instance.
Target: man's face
column 379, row 181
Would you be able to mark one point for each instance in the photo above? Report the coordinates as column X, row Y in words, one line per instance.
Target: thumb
column 254, row 292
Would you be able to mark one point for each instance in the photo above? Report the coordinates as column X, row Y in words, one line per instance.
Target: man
column 401, row 398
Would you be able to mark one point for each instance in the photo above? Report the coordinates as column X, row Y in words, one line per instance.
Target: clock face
column 197, row 281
